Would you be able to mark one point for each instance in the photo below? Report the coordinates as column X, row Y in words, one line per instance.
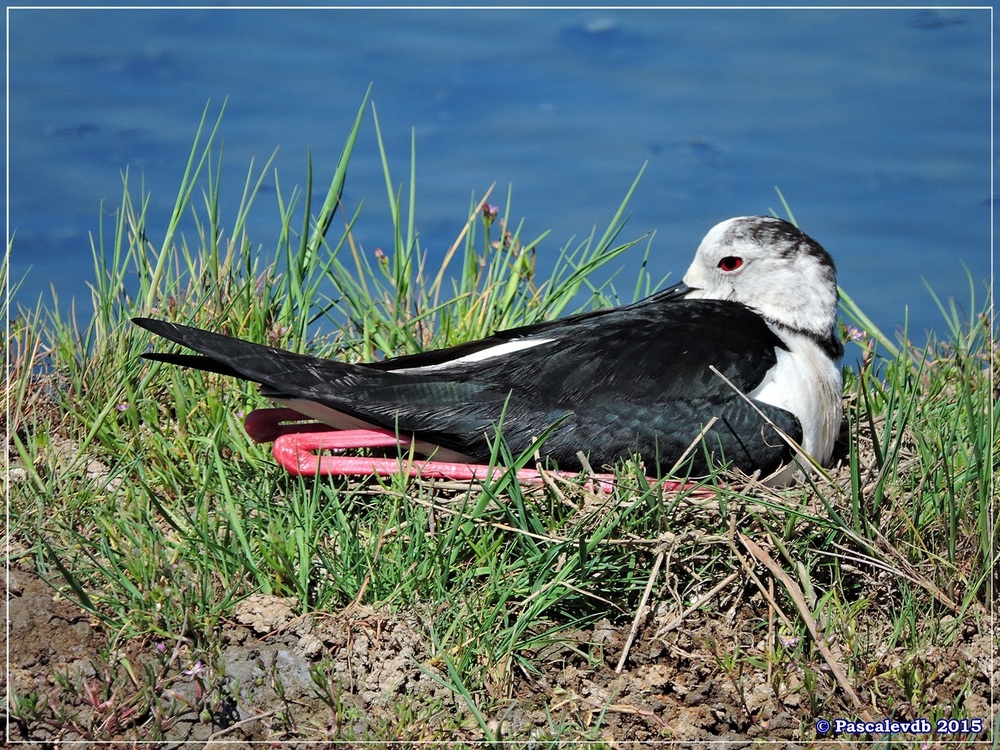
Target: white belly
column 808, row 384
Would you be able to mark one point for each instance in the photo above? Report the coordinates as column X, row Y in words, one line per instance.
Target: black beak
column 677, row 291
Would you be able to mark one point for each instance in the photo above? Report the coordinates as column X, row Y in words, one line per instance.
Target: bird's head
column 770, row 266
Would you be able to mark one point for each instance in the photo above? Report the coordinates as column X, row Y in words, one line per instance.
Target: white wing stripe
column 499, row 350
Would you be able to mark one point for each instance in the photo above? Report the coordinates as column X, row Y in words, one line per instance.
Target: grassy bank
column 226, row 599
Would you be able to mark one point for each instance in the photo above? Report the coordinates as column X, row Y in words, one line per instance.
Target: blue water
column 875, row 125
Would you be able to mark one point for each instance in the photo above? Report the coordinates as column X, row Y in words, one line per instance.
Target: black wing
column 616, row 382
column 444, row 356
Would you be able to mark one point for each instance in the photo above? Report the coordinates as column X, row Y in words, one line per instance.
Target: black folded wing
column 632, row 380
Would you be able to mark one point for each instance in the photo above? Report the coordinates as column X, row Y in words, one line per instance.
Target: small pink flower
column 490, row 215
column 196, row 670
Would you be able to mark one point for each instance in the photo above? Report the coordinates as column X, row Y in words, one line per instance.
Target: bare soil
column 363, row 674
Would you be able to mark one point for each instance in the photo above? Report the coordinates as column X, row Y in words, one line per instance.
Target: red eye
column 730, row 263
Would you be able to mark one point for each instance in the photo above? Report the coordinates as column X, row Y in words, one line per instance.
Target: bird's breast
column 807, row 383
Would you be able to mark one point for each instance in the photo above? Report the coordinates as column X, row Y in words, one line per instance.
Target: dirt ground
column 368, row 675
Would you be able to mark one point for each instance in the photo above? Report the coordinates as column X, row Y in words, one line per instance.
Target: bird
column 735, row 366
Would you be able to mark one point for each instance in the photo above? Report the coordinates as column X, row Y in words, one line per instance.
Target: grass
column 136, row 495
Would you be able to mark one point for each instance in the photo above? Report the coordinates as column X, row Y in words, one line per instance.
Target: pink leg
column 298, row 442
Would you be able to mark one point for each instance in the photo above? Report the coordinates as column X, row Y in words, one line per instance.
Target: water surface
column 875, row 124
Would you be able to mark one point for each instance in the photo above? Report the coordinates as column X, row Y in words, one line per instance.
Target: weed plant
column 137, row 495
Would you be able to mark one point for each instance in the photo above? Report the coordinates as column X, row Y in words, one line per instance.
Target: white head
column 770, row 266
